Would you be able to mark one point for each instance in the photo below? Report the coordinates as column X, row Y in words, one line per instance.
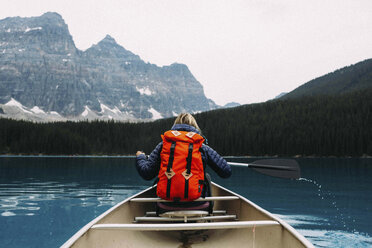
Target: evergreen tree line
column 308, row 126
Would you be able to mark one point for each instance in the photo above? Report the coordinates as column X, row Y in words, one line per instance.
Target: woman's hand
column 139, row 153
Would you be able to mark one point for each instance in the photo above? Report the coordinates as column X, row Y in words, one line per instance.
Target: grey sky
column 245, row 51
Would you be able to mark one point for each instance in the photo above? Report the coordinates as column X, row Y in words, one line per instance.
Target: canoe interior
column 259, row 236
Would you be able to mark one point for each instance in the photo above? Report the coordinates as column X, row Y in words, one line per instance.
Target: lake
column 45, row 200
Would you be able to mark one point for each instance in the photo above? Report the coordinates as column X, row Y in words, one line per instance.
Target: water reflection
column 24, row 199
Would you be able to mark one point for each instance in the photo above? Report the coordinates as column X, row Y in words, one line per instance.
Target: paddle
column 283, row 168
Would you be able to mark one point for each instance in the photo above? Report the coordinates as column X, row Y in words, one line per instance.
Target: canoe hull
column 276, row 235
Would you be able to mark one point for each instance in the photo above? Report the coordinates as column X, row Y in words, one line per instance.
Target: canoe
column 235, row 221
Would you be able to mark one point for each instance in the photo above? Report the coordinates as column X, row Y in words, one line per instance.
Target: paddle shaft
column 261, row 166
column 283, row 168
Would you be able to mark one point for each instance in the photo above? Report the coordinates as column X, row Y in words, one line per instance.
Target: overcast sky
column 244, row 51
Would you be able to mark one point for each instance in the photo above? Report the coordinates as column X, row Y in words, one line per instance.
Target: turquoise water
column 45, row 200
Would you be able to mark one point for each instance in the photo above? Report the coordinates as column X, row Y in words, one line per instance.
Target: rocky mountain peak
column 52, row 18
column 19, row 24
column 46, row 34
column 44, row 76
column 180, row 68
column 52, row 15
column 109, row 40
column 109, row 48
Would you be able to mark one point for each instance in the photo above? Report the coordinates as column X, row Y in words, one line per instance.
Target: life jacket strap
column 189, row 158
column 187, row 173
column 170, row 173
column 171, row 156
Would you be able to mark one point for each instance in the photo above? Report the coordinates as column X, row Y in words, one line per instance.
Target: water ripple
column 323, row 237
column 26, row 199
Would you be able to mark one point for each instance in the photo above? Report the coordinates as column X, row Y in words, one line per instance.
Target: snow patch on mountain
column 32, row 29
column 14, row 102
column 144, row 91
column 15, row 110
column 86, row 111
column 105, row 108
column 17, row 104
column 37, row 110
column 55, row 113
column 155, row 114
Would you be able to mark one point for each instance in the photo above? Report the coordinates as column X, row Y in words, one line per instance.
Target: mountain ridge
column 350, row 78
column 41, row 66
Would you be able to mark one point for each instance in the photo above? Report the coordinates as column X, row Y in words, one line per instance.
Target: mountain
column 280, row 95
column 345, row 80
column 231, row 105
column 43, row 76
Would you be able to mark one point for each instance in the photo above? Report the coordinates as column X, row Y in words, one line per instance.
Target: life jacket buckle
column 186, row 175
column 169, row 174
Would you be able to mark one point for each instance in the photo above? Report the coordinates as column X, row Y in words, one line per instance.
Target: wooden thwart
column 185, row 226
column 168, row 219
column 212, row 198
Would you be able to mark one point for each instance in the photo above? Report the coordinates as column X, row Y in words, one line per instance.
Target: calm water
column 44, row 201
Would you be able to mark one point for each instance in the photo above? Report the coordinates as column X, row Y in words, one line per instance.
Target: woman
column 149, row 167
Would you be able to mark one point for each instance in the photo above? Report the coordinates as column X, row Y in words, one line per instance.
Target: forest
column 350, row 78
column 307, row 126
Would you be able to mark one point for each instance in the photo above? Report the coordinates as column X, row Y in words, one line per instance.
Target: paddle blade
column 283, row 168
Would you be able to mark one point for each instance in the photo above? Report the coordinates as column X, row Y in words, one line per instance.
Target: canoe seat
column 153, row 213
column 185, row 213
column 185, row 216
column 194, row 206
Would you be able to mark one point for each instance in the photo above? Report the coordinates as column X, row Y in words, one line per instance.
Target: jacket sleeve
column 148, row 167
column 216, row 162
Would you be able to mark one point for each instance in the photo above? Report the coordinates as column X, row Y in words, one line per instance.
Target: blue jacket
column 149, row 167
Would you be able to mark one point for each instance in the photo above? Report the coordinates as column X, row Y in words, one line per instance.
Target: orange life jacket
column 181, row 175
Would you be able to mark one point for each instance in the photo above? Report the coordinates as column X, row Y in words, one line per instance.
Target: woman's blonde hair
column 186, row 118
